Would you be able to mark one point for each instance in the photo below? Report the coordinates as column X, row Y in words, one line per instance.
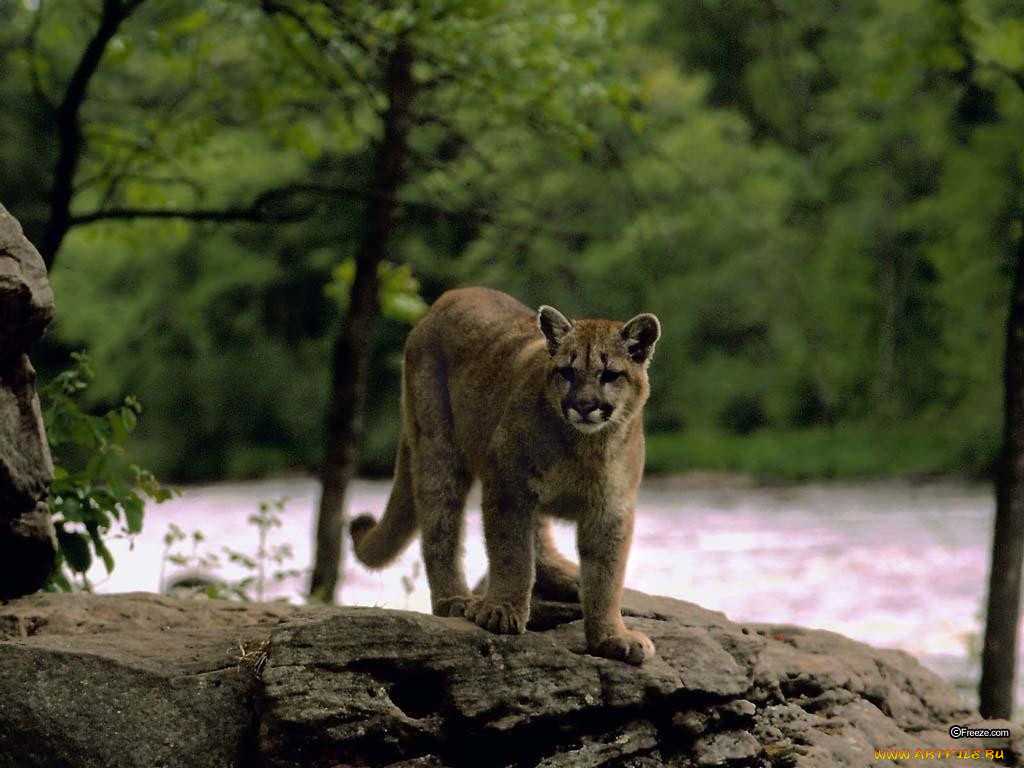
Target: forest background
column 822, row 201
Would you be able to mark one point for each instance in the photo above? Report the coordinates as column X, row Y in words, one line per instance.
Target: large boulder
column 145, row 680
column 27, row 543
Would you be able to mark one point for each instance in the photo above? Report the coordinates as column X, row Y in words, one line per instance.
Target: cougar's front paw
column 502, row 618
column 630, row 646
column 452, row 606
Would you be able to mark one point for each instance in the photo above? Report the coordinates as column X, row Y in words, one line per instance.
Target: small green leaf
column 101, row 548
column 71, row 508
column 75, row 548
column 94, row 469
column 129, row 419
column 133, row 508
column 60, row 580
column 117, row 425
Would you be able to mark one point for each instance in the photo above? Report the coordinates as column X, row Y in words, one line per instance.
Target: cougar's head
column 598, row 368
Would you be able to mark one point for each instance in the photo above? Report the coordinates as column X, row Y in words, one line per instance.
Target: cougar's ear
column 641, row 334
column 554, row 325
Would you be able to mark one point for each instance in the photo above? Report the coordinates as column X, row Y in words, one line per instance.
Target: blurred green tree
column 437, row 76
column 381, row 93
column 819, row 201
column 992, row 48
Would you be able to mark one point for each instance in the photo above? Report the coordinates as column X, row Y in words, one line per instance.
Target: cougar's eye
column 608, row 376
column 568, row 373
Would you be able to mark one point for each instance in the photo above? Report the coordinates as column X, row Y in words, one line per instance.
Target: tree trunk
column 69, row 128
column 355, row 337
column 999, row 656
column 885, row 383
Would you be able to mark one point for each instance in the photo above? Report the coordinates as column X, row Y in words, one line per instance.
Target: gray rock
column 132, row 680
column 26, row 301
column 51, row 613
column 28, row 548
column 726, row 748
column 689, row 724
column 738, row 709
column 145, row 680
column 634, row 740
column 27, row 543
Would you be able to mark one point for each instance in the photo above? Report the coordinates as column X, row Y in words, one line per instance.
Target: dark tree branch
column 171, row 180
column 69, row 127
column 299, row 201
column 277, row 205
column 253, row 214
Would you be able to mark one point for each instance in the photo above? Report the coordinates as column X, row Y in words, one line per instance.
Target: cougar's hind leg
column 558, row 577
column 440, row 485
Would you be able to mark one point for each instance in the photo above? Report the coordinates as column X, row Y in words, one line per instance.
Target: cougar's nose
column 585, row 407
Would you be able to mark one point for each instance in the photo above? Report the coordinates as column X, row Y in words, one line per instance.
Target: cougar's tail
column 377, row 544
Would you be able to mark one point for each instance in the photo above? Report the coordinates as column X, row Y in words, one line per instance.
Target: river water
column 895, row 564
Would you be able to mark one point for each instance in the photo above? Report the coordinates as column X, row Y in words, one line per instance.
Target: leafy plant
column 399, row 291
column 409, row 582
column 198, row 563
column 201, row 579
column 96, row 489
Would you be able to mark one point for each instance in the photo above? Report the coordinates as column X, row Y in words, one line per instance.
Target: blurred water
column 894, row 564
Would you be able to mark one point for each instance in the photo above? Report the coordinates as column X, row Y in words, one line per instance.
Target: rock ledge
column 146, row 680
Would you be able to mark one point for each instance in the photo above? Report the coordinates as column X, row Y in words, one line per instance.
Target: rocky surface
column 144, row 680
column 27, row 544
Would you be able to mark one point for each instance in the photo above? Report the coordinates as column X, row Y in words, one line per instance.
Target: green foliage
column 849, row 450
column 96, row 490
column 996, row 34
column 399, row 294
column 201, row 578
column 818, row 200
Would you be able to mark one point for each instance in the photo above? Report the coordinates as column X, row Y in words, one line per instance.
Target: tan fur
column 487, row 393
